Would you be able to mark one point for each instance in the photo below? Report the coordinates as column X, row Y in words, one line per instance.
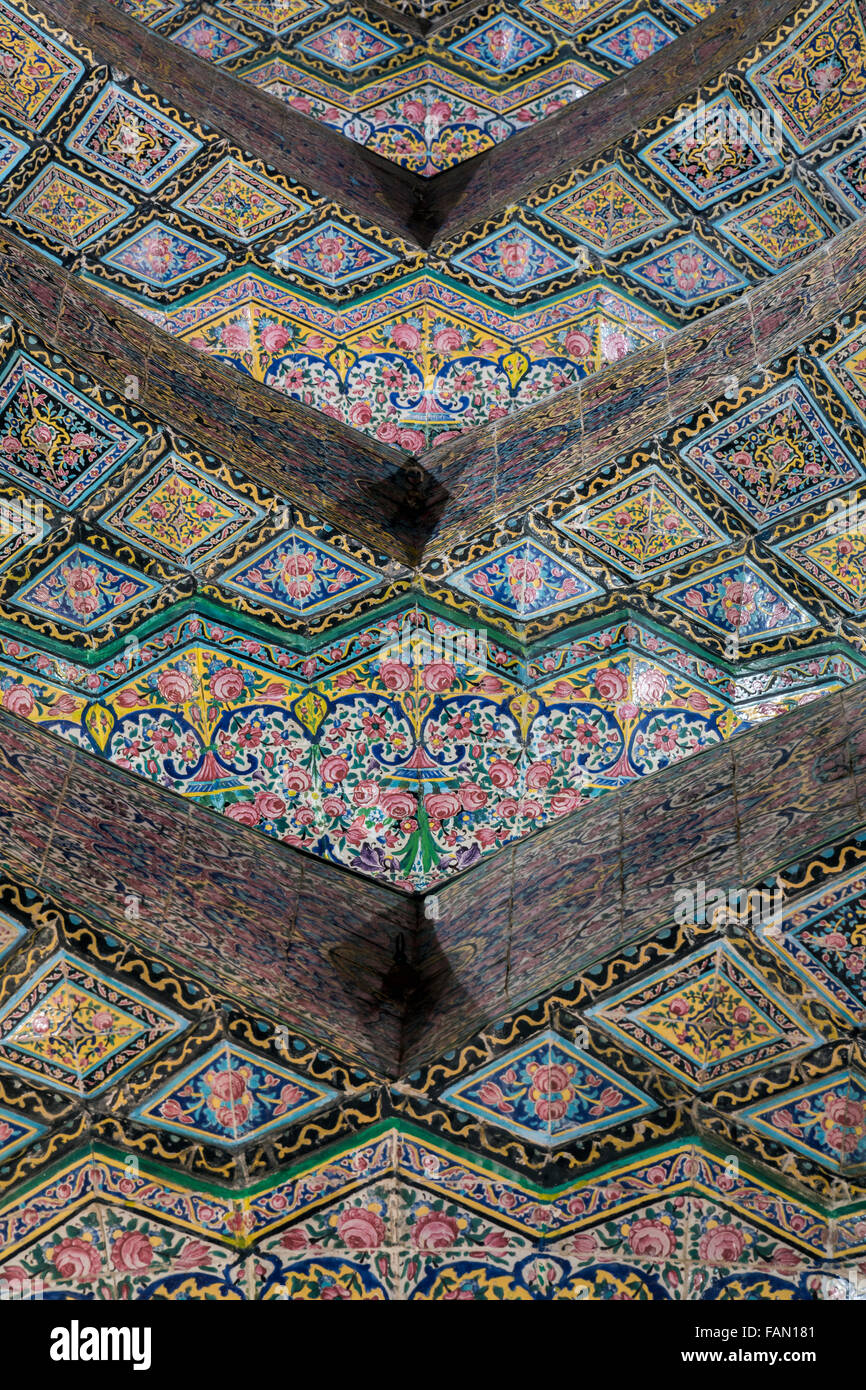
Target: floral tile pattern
column 237, row 202
column 826, row 1120
column 779, row 227
column 333, row 254
column 348, row 44
column 301, row 574
column 71, row 211
column 688, row 272
column 231, row 1097
column 211, row 38
column 548, row 1091
column 514, row 258
column 131, row 139
column 526, row 579
column 500, row 45
column 83, row 589
column 634, row 40
column 738, row 598
column 160, row 256
column 712, row 155
column 46, row 73
column 609, row 211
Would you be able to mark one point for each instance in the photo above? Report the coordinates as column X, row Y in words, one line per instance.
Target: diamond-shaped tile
column 740, row 598
column 706, row 1019
column 776, row 455
column 514, row 259
column 833, row 556
column 644, row 524
column 301, row 575
column 210, row 38
column 82, row 589
column 778, row 228
column 525, row 580
column 132, row 140
column 816, row 81
column 54, row 440
column 333, row 254
column 689, row 272
column 11, row 934
column 161, row 256
column 349, row 45
column 38, row 73
column 609, row 211
column 845, row 366
column 823, row 941
column 16, row 1133
column 79, row 1030
column 500, row 45
column 274, row 18
column 11, row 152
column 232, row 1096
column 634, row 40
column 712, row 153
column 180, row 513
column 825, row 1120
column 67, row 208
column 238, row 202
column 549, row 1092
column 846, row 175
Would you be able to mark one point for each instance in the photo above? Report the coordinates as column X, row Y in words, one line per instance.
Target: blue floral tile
column 160, row 256
column 233, row 1097
column 53, row 440
column 609, row 211
column 132, row 140
column 846, row 176
column 525, row 580
column 687, row 273
column 776, row 455
column 500, row 45
column 349, row 45
column 634, row 40
column 333, row 254
column 712, row 154
column 239, row 203
column 12, row 151
column 823, row 941
column 82, row 589
column 825, row 1120
column 301, row 575
column 549, row 1092
column 778, row 228
column 739, row 598
column 514, row 259
column 210, row 38
column 16, row 1133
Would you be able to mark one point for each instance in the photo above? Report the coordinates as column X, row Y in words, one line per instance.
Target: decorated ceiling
column 400, row 547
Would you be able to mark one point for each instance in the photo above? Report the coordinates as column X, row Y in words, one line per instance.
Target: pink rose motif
column 387, row 432
column 131, row 1251
column 398, row 805
column 334, row 806
column 563, row 802
column 236, row 337
column 538, row 775
column 578, row 344
column 294, row 1240
column 365, row 793
column 360, row 414
column 447, row 340
column 842, row 1111
column 361, row 1228
column 274, row 337
column 413, row 111
column 653, row 1238
column 269, row 806
column 611, row 683
column 175, row 687
column 18, row 700
column 438, row 676
column 334, row 768
column 441, row 805
column 411, row 440
column 584, row 1244
column 472, row 797
column 76, row 1259
column 395, row 675
column 404, row 336
column 244, row 812
column 434, row 1231
column 502, row 773
column 651, row 686
column 297, row 779
column 226, row 685
column 721, row 1245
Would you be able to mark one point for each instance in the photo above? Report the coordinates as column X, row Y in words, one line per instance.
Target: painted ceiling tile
column 238, row 202
column 83, row 589
column 181, row 514
column 500, row 45
column 273, row 18
column 41, row 74
column 514, row 259
column 845, row 367
column 151, row 12
column 11, row 152
column 706, row 1019
column 712, row 153
column 11, row 934
column 23, row 523
column 333, row 254
column 776, row 455
column 208, row 37
column 816, row 81
column 846, row 176
column 688, row 272
column 67, row 208
column 740, row 598
column 54, row 440
column 609, row 211
column 349, row 44
column 644, row 525
column 548, row 1091
column 161, row 256
column 526, row 580
column 301, row 575
column 78, row 1030
column 825, row 1121
column 132, row 139
column 833, row 555
column 233, row 1097
column 16, row 1133
column 634, row 40
column 823, row 940
column 778, row 228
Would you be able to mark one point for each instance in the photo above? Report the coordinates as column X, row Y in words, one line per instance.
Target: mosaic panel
column 69, row 210
column 37, row 74
column 132, row 139
column 83, row 589
column 826, row 1120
